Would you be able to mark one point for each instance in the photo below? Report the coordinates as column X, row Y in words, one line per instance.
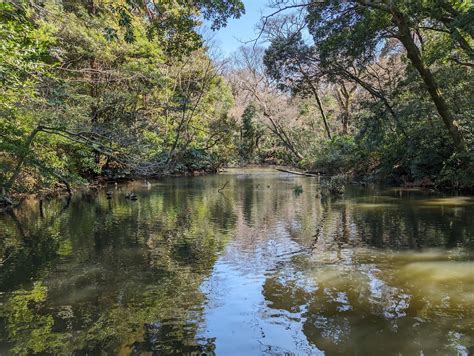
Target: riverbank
column 102, row 182
column 99, row 182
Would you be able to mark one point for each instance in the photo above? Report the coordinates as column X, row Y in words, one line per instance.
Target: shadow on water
column 251, row 268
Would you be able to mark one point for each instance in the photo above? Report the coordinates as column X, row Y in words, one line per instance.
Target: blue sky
column 243, row 29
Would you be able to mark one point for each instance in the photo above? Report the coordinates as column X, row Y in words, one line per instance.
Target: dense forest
column 97, row 90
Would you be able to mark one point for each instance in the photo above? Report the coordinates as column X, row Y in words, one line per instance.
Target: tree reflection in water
column 253, row 268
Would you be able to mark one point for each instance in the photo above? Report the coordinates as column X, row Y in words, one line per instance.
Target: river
column 239, row 263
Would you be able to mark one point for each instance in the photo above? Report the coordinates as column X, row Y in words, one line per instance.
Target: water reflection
column 111, row 275
column 249, row 269
column 370, row 303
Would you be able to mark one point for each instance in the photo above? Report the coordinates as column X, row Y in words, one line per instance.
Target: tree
column 248, row 133
column 353, row 30
column 289, row 61
column 93, row 88
column 356, row 58
column 249, row 80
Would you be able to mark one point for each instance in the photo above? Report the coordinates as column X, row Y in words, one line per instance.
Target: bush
column 336, row 156
column 200, row 160
column 457, row 172
column 336, row 185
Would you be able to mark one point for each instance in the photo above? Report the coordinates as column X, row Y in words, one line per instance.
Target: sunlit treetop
column 173, row 23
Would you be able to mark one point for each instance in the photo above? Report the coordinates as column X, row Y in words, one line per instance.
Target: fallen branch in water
column 222, row 188
column 297, row 173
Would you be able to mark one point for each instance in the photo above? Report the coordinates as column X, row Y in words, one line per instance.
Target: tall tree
column 353, row 30
column 290, row 61
column 248, row 133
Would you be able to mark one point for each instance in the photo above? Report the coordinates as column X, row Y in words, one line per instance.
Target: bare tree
column 249, row 80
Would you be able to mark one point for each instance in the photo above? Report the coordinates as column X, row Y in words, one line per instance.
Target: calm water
column 256, row 269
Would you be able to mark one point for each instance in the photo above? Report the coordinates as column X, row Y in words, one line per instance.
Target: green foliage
column 298, row 189
column 248, row 134
column 334, row 156
column 198, row 160
column 335, row 185
column 120, row 89
column 31, row 331
column 455, row 174
column 399, row 133
column 345, row 31
column 116, row 85
column 288, row 61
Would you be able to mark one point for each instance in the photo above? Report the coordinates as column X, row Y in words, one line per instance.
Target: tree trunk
column 458, row 37
column 343, row 97
column 414, row 55
column 344, row 73
column 283, row 137
column 318, row 100
column 320, row 106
